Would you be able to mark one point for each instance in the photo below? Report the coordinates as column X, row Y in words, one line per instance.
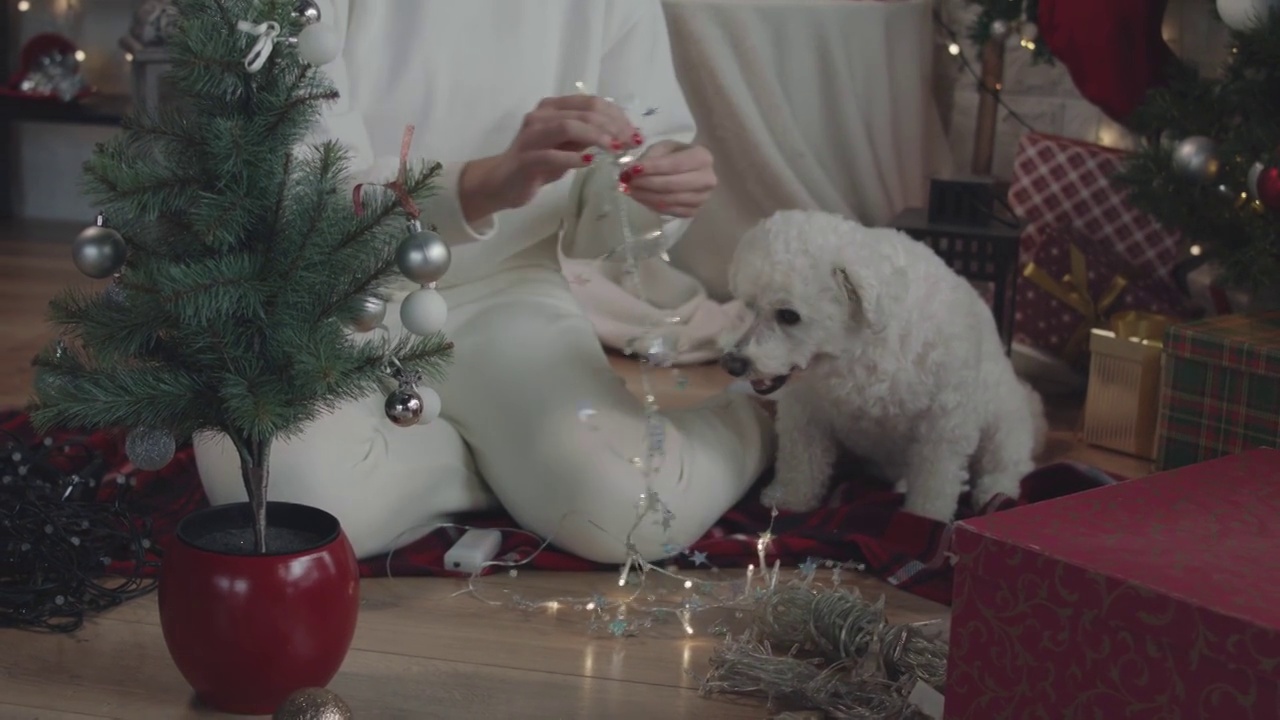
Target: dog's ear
column 845, row 282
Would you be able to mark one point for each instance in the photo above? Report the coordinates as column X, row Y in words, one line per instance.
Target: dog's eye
column 787, row 316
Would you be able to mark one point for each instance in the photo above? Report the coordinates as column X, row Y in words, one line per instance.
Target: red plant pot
column 248, row 630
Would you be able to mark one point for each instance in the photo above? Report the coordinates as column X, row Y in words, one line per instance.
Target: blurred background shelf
column 92, row 110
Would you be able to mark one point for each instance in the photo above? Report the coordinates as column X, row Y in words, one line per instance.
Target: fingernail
column 616, row 145
column 635, row 170
column 624, row 177
column 625, row 188
column 587, row 158
column 637, row 139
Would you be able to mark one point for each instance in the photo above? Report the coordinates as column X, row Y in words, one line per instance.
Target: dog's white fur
column 895, row 356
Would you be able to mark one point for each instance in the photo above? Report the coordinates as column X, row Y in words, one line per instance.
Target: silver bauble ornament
column 423, row 256
column 1196, row 159
column 308, row 10
column 369, row 315
column 404, row 407
column 99, row 251
column 313, row 704
column 149, row 448
column 999, row 29
column 115, row 292
column 1255, row 171
column 424, row 312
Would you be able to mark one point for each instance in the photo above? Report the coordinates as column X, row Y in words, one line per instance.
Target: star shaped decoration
column 809, row 567
column 700, row 558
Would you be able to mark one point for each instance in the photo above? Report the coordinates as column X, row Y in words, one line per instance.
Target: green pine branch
column 1237, row 110
column 245, row 257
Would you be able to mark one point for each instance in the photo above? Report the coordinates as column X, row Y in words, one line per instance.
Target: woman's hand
column 672, row 178
column 554, row 138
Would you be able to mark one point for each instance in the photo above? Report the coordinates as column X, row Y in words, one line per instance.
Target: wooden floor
column 420, row 651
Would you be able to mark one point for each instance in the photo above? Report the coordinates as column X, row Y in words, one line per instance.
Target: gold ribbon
column 1142, row 327
column 1073, row 290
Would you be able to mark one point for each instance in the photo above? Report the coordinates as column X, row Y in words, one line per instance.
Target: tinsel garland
column 831, row 651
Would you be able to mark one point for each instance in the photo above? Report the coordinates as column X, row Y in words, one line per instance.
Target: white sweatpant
column 526, row 361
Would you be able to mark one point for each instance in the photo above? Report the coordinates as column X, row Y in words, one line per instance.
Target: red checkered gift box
column 1064, row 183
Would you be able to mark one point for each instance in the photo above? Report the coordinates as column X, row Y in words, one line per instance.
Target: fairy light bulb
column 24, row 5
column 80, row 56
column 954, row 48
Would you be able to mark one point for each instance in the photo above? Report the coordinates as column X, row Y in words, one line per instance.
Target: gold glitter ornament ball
column 313, row 704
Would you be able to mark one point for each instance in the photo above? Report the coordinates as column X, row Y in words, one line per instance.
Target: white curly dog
column 883, row 350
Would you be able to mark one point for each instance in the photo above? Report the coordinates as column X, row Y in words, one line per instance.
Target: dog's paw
column 789, row 497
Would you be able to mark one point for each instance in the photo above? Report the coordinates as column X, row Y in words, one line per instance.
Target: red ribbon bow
column 396, row 186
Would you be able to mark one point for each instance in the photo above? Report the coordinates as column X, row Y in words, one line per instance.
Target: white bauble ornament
column 319, row 44
column 1245, row 14
column 424, row 312
column 431, row 404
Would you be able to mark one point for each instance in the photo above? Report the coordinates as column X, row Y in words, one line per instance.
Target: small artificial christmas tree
column 1211, row 167
column 249, row 273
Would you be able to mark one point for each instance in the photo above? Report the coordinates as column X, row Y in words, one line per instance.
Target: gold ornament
column 313, row 704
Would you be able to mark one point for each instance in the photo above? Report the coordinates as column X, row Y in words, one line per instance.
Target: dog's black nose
column 735, row 364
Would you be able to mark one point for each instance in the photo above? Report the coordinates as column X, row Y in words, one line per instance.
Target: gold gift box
column 1122, row 406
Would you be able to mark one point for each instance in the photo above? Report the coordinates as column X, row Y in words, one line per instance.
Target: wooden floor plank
column 121, row 669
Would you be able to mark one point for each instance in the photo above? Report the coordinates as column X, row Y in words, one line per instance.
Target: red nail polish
column 637, row 139
column 587, row 158
column 635, row 170
column 616, row 145
column 624, row 177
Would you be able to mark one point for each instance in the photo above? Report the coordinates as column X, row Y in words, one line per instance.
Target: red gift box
column 1153, row 598
column 1055, row 313
column 1060, row 183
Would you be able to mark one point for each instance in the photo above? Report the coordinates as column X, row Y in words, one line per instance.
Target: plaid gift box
column 1056, row 311
column 1063, row 183
column 1220, row 393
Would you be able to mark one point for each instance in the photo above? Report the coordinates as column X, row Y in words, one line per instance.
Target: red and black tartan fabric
column 1221, row 392
column 860, row 523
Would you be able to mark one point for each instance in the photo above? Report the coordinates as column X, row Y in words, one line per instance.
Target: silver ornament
column 308, row 10
column 370, row 314
column 1196, row 159
column 1255, row 171
column 404, row 407
column 99, row 251
column 999, row 29
column 115, row 292
column 423, row 257
column 149, row 448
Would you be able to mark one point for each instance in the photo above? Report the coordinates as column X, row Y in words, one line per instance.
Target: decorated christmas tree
column 1211, row 168
column 246, row 285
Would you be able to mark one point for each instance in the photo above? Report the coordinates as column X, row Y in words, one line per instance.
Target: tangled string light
column 58, row 542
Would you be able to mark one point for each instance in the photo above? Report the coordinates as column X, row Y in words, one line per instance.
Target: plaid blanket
column 862, row 522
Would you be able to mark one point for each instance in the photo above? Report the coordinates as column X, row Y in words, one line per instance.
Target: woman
column 490, row 87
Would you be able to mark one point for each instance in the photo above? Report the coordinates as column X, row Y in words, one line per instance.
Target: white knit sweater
column 465, row 72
